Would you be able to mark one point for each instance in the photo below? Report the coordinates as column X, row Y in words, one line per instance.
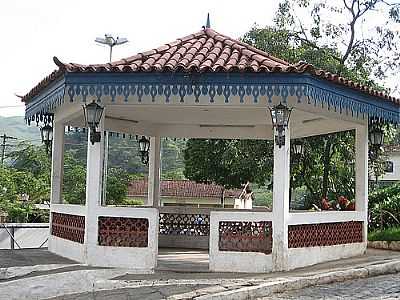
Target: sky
column 32, row 32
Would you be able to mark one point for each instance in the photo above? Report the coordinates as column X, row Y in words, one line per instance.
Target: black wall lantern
column 280, row 115
column 298, row 148
column 376, row 135
column 144, row 147
column 46, row 133
column 93, row 113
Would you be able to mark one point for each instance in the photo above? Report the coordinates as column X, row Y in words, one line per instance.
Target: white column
column 57, row 163
column 361, row 170
column 280, row 209
column 153, row 195
column 105, row 167
column 94, row 188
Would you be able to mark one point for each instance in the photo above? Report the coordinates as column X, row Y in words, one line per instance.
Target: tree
column 15, row 183
column 360, row 36
column 327, row 168
column 74, row 179
column 229, row 163
column 117, row 186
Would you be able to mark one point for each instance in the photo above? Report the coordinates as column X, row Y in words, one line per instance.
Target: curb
column 14, row 272
column 385, row 245
column 293, row 283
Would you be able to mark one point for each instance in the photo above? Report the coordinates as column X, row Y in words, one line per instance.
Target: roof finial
column 208, row 25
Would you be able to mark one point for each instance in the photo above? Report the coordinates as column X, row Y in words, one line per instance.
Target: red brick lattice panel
column 68, row 227
column 184, row 224
column 325, row 234
column 245, row 236
column 123, row 232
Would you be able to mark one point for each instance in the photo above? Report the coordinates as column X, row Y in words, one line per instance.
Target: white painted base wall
column 67, row 248
column 247, row 262
column 233, row 261
column 138, row 259
column 302, row 257
column 142, row 259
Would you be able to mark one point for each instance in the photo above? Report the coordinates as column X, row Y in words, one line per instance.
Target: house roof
column 181, row 189
column 204, row 51
column 392, row 148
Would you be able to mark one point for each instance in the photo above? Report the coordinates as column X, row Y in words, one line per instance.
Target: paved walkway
column 181, row 274
column 380, row 287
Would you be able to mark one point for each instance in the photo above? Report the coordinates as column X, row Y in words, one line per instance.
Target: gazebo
column 206, row 85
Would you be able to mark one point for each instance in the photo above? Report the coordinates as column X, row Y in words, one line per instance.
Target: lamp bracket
column 95, row 137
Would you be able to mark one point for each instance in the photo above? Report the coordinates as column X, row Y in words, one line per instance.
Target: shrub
column 390, row 234
column 384, row 207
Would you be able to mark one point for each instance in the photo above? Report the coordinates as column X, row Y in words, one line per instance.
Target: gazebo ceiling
column 226, row 67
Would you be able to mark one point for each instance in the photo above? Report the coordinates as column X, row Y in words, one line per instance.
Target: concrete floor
column 182, row 260
column 173, row 260
column 179, row 271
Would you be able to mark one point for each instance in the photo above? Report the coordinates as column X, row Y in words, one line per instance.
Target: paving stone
column 381, row 287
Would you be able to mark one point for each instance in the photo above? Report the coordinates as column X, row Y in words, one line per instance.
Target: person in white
column 245, row 200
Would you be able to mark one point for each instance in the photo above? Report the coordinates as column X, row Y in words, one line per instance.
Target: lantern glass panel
column 50, row 138
column 376, row 137
column 144, row 144
column 280, row 115
column 42, row 134
column 46, row 133
column 298, row 148
column 93, row 114
column 98, row 113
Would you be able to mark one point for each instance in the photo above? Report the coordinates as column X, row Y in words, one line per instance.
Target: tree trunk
column 223, row 197
column 327, row 166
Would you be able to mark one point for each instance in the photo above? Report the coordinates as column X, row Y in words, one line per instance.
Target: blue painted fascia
column 228, row 78
column 322, row 88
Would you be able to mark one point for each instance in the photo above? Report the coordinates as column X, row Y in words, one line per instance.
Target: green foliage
column 117, row 186
column 357, row 36
column 177, row 174
column 32, row 159
column 326, row 168
column 389, row 234
column 262, row 196
column 384, row 193
column 229, row 163
column 132, row 202
column 384, row 206
column 74, row 180
column 14, row 183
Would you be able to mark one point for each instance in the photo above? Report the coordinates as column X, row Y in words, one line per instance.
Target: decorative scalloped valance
column 205, row 89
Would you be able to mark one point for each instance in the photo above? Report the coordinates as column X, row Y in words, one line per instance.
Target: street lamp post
column 110, row 41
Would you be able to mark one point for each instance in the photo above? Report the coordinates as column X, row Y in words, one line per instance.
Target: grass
column 390, row 234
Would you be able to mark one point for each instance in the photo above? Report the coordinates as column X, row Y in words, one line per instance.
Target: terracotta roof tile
column 204, row 51
column 182, row 189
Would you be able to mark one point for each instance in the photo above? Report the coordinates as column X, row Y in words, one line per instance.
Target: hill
column 16, row 127
column 123, row 153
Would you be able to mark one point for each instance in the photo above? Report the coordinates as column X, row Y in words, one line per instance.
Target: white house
column 392, row 165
